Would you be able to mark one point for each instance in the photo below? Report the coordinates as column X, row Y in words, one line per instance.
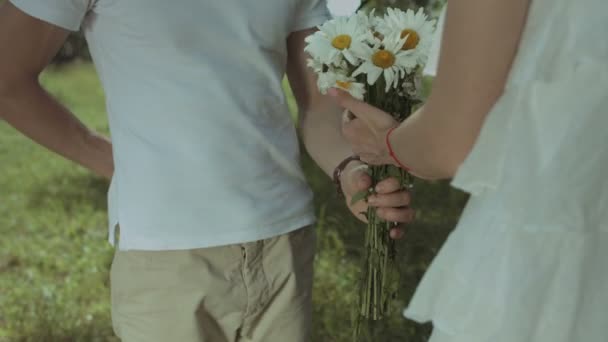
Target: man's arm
column 27, row 46
column 319, row 117
column 320, row 122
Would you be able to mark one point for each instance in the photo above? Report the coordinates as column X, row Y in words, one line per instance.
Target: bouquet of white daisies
column 377, row 59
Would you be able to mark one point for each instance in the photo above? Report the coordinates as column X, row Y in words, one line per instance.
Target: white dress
column 528, row 261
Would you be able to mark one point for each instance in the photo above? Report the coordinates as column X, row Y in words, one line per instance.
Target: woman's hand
column 365, row 127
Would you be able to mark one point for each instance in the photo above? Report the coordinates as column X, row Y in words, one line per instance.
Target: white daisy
column 349, row 84
column 325, row 73
column 338, row 39
column 331, row 79
column 415, row 28
column 325, row 80
column 315, row 65
column 373, row 21
column 367, row 19
column 386, row 59
column 318, row 66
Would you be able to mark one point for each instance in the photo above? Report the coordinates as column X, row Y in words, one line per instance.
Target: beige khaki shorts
column 258, row 291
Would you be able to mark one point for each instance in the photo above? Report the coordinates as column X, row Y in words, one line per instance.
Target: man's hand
column 320, row 129
column 391, row 202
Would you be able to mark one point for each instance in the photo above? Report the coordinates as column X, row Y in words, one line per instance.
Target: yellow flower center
column 341, row 42
column 343, row 85
column 412, row 39
column 383, row 59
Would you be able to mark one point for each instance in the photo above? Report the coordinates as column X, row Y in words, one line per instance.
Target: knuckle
column 391, row 184
column 390, row 215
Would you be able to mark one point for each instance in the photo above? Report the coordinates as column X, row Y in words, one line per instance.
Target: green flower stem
column 380, row 280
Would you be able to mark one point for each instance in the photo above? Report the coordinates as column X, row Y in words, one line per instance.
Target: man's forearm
column 321, row 133
column 32, row 111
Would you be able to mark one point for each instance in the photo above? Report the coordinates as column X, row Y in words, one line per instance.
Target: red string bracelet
column 391, row 152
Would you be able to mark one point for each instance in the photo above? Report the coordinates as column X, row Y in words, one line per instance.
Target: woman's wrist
column 391, row 151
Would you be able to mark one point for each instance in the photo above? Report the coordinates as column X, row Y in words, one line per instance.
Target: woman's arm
column 479, row 45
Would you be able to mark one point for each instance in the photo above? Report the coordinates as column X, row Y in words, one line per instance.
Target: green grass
column 54, row 259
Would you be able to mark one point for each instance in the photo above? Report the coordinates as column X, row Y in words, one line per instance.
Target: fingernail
column 372, row 200
column 379, row 188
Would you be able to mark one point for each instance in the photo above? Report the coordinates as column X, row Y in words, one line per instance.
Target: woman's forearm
column 479, row 45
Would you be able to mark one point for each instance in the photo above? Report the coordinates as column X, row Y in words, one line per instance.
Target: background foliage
column 54, row 261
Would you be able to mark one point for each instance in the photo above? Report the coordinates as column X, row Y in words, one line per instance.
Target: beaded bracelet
column 339, row 170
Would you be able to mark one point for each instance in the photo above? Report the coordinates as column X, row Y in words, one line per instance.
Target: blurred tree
column 432, row 6
column 394, row 3
column 75, row 47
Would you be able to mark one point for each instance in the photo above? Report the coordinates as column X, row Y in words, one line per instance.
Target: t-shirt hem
column 188, row 242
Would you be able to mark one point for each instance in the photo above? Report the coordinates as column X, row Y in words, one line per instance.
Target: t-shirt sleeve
column 67, row 14
column 311, row 13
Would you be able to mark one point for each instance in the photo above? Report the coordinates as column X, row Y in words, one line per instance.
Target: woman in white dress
column 518, row 117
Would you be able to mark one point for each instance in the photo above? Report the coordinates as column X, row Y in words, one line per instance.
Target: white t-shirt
column 205, row 150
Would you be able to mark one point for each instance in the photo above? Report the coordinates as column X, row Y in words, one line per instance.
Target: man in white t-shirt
column 214, row 211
